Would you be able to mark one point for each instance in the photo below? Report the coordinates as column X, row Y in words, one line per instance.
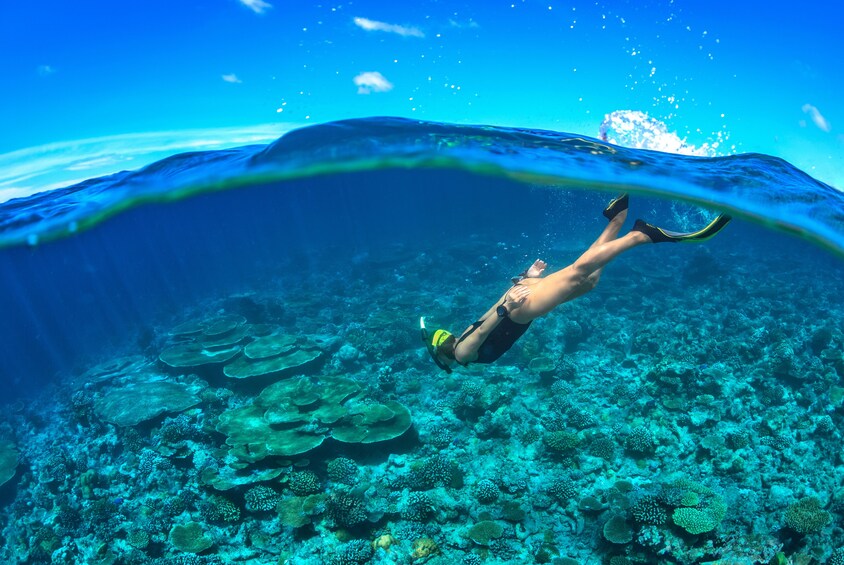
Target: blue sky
column 751, row 76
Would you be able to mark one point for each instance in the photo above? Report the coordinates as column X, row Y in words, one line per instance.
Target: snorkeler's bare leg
column 610, row 233
column 565, row 284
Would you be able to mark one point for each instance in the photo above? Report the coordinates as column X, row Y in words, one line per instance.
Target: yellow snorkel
column 439, row 337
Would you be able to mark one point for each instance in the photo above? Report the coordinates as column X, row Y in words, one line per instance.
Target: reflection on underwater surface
column 687, row 410
column 758, row 187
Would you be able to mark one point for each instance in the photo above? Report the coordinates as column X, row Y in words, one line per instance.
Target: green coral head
column 806, row 516
column 189, row 538
column 694, row 521
column 617, row 530
column 8, row 460
column 485, row 531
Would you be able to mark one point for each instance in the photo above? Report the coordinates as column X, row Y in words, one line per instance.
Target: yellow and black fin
column 659, row 235
column 616, row 206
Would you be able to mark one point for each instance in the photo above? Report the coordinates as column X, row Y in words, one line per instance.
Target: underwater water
column 216, row 359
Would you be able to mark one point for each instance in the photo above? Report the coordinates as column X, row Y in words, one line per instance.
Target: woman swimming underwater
column 533, row 295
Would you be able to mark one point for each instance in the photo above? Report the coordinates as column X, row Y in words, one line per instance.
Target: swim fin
column 659, row 235
column 616, row 206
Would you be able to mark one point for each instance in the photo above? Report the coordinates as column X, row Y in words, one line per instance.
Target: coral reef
column 706, row 434
column 294, row 416
column 8, row 460
column 261, row 499
column 140, row 400
column 189, row 538
column 805, row 516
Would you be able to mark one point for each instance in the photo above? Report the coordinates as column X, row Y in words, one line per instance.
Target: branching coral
column 806, row 516
column 486, row 491
column 261, row 499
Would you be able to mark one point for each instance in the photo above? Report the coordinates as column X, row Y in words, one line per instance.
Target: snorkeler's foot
column 659, row 235
column 616, row 206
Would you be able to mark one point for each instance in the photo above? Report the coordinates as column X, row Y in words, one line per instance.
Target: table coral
column 189, row 538
column 139, row 400
column 8, row 461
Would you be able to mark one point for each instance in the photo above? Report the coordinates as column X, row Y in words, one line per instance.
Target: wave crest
column 637, row 130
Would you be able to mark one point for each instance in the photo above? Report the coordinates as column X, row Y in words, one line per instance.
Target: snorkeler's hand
column 536, row 269
column 515, row 297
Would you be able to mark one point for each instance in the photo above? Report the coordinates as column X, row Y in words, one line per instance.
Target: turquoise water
column 216, row 359
column 757, row 187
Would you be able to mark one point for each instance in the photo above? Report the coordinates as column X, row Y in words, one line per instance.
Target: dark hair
column 446, row 348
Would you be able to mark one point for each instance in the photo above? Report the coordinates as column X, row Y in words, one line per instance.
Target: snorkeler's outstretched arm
column 536, row 269
column 533, row 272
column 467, row 350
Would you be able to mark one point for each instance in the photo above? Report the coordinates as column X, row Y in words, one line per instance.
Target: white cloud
column 471, row 24
column 257, row 6
column 372, row 82
column 232, row 78
column 45, row 70
column 94, row 163
column 817, row 117
column 372, row 25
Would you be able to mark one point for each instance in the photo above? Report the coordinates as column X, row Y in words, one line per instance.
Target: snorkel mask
column 432, row 343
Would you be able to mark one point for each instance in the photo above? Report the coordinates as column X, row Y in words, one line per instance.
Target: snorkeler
column 533, row 295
